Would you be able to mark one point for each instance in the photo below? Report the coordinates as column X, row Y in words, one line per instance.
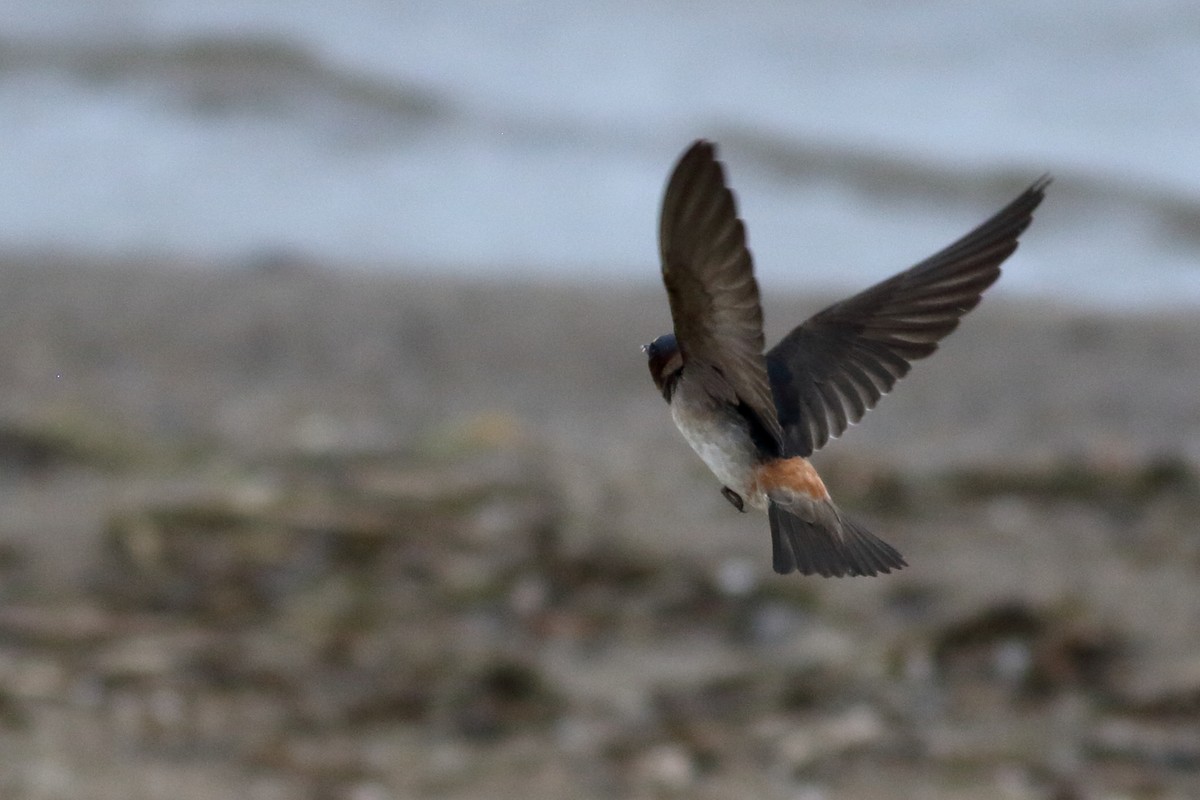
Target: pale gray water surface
column 482, row 138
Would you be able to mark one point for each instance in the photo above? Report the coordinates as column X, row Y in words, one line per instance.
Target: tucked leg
column 734, row 498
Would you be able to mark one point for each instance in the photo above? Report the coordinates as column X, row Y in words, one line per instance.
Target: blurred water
column 488, row 137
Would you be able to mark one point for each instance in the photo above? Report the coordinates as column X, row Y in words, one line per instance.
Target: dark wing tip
column 699, row 151
column 695, row 192
column 1021, row 209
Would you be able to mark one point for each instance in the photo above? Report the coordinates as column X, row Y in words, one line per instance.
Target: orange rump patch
column 795, row 474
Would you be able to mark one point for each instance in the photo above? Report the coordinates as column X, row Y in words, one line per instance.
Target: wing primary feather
column 870, row 340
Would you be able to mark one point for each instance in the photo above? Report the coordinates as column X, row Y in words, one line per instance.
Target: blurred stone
column 1173, row 745
column 701, row 716
column 38, row 678
column 500, row 697
column 1104, row 481
column 769, row 622
column 12, row 711
column 37, row 449
column 460, row 531
column 737, row 577
column 64, row 627
column 1010, row 514
column 152, row 653
column 807, row 744
column 1027, row 649
column 666, row 768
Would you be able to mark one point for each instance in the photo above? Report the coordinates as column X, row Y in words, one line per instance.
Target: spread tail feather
column 831, row 546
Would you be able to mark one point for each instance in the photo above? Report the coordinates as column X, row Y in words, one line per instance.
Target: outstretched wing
column 827, row 372
column 709, row 276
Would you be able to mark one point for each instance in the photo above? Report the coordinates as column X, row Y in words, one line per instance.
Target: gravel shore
column 288, row 533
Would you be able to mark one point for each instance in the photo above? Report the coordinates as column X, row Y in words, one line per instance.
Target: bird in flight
column 754, row 417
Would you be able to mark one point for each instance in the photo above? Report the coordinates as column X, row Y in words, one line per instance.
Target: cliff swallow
column 754, row 417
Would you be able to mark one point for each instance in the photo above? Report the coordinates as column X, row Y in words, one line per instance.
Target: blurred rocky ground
column 280, row 533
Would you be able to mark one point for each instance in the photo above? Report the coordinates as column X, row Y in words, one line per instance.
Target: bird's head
column 665, row 362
